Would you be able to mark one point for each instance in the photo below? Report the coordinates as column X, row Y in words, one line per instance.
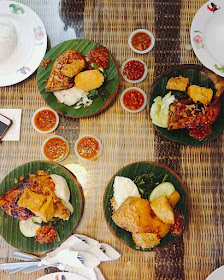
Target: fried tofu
column 178, row 83
column 201, row 94
column 59, row 81
column 173, row 199
column 146, row 240
column 88, row 80
column 41, row 205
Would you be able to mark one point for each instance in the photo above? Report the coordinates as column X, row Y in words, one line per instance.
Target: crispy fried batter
column 177, row 83
column 201, row 94
column 146, row 240
column 88, row 80
column 57, row 80
column 136, row 215
column 70, row 70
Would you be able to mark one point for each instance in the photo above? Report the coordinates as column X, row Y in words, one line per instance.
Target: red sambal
column 141, row 41
column 88, row 147
column 133, row 99
column 134, row 70
column 55, row 149
column 45, row 234
column 45, row 120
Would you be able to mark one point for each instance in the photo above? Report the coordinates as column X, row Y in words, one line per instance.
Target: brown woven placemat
column 130, row 137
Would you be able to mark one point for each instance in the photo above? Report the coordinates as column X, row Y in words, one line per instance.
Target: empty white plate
column 207, row 38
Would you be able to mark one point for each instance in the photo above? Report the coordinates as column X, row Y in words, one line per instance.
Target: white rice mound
column 8, row 39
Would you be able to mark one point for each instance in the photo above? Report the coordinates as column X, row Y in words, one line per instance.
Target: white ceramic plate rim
column 55, row 136
column 68, row 275
column 201, row 18
column 41, row 109
column 217, row 274
column 30, row 18
column 134, row 111
column 137, row 81
column 147, row 32
column 88, row 135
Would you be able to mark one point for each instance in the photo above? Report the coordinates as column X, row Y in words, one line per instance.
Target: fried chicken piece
column 146, row 240
column 178, row 83
column 57, row 80
column 72, row 69
column 136, row 215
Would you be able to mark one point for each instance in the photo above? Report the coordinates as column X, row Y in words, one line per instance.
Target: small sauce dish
column 141, row 41
column 133, row 99
column 45, row 120
column 88, row 147
column 134, row 70
column 55, row 148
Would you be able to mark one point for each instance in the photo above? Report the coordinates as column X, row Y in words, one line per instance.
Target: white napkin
column 81, row 254
column 13, row 134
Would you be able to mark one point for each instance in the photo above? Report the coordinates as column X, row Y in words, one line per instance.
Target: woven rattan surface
column 127, row 137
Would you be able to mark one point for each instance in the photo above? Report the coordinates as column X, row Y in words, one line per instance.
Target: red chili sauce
column 45, row 234
column 88, row 147
column 141, row 41
column 134, row 70
column 45, row 120
column 55, row 148
column 100, row 56
column 177, row 227
column 133, row 99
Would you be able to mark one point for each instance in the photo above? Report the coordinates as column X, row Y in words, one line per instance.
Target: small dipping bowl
column 141, row 41
column 88, row 147
column 55, row 148
column 133, row 99
column 45, row 120
column 134, row 70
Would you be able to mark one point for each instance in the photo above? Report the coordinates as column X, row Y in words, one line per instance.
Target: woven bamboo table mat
column 127, row 137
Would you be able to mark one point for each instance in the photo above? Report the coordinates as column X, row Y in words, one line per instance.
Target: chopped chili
column 134, row 70
column 55, row 148
column 141, row 41
column 45, row 120
column 133, row 99
column 88, row 147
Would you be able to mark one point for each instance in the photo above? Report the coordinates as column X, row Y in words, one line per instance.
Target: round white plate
column 207, row 38
column 62, row 276
column 218, row 274
column 31, row 44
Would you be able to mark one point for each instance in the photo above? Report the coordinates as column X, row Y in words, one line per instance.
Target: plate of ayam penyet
column 87, row 81
column 187, row 105
column 10, row 226
column 135, row 200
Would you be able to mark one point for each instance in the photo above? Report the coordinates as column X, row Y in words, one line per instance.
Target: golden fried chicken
column 59, row 81
column 146, row 240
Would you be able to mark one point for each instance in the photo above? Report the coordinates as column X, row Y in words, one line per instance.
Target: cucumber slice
column 165, row 188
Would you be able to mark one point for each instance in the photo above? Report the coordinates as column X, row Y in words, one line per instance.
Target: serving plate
column 62, row 276
column 9, row 226
column 197, row 75
column 206, row 35
column 110, row 86
column 31, row 45
column 137, row 169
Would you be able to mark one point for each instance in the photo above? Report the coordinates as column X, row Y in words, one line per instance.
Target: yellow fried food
column 178, row 83
column 72, row 69
column 90, row 79
column 41, row 205
column 146, row 240
column 163, row 210
column 201, row 94
column 173, row 198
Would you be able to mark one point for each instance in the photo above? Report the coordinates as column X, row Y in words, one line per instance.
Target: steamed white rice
column 8, row 39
